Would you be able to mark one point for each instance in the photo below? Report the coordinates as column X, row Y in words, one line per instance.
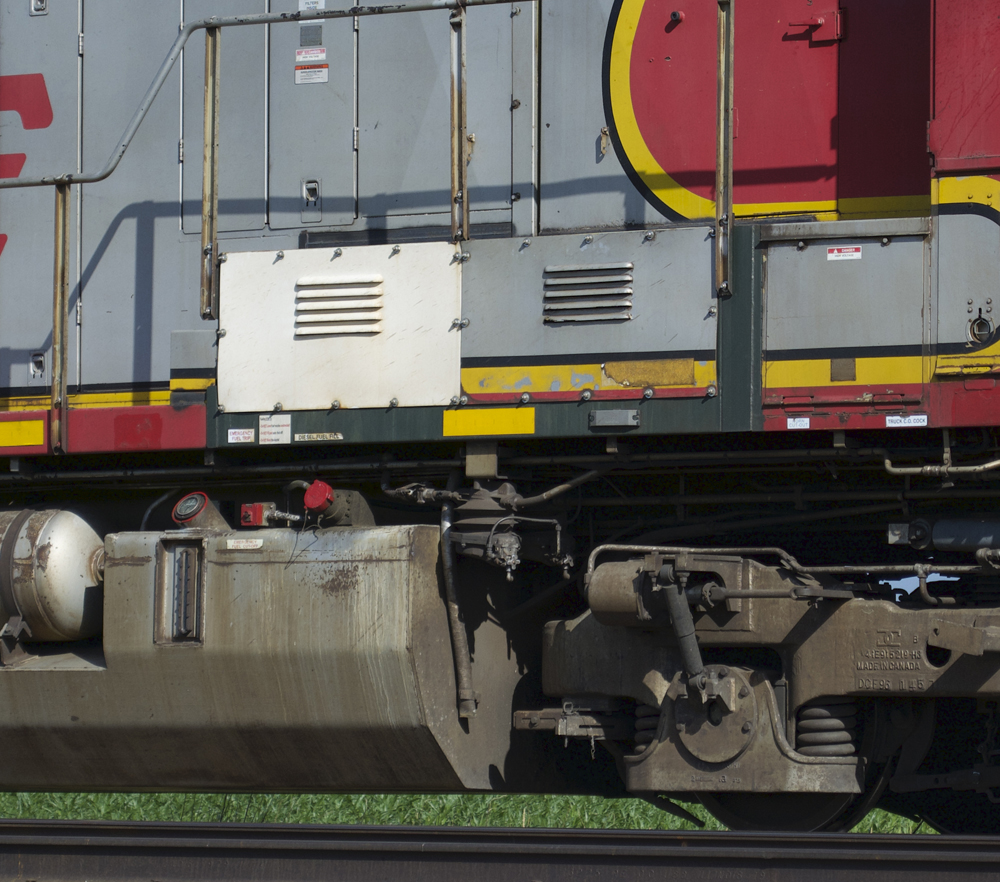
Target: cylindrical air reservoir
column 961, row 535
column 50, row 574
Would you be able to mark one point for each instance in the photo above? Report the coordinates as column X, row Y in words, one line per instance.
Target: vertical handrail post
column 459, row 126
column 724, row 148
column 210, row 174
column 60, row 319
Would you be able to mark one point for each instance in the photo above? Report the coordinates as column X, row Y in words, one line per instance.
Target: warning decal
column 310, row 56
column 848, row 252
column 312, row 73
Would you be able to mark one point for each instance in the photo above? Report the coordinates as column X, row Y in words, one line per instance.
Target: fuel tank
column 261, row 660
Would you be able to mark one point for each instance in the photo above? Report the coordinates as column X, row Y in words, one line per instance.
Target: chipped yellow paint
column 659, row 373
column 662, row 372
column 22, row 433
column 191, row 384
column 489, row 421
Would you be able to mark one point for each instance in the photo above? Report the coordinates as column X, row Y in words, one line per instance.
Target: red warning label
column 847, row 252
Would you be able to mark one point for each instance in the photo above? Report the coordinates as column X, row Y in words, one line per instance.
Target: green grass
column 474, row 810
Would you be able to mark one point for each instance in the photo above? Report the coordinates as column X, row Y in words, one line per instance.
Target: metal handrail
column 210, row 190
column 224, row 22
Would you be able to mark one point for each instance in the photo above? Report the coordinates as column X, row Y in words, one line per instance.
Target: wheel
column 959, row 736
column 807, row 812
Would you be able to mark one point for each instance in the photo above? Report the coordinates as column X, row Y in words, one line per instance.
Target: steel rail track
column 101, row 851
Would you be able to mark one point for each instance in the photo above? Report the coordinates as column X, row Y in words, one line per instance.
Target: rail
column 101, row 851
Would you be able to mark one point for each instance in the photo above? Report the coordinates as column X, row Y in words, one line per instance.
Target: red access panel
column 964, row 132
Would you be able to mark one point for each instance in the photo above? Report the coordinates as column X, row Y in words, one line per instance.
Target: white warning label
column 310, row 56
column 244, row 544
column 909, row 421
column 276, row 428
column 319, row 436
column 798, row 422
column 311, row 5
column 847, row 252
column 311, row 73
column 242, row 436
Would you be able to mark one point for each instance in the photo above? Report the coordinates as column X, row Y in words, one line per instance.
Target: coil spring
column 827, row 728
column 647, row 719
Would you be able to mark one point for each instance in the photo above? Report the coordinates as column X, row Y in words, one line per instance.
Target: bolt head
column 525, row 398
column 711, row 391
column 394, row 402
column 586, row 395
column 747, row 727
column 647, row 394
column 335, row 405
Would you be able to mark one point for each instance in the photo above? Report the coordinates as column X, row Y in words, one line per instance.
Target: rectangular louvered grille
column 599, row 292
column 335, row 305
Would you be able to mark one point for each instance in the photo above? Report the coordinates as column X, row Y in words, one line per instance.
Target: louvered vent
column 329, row 305
column 600, row 292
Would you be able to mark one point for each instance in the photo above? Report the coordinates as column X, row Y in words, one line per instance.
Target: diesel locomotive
column 547, row 396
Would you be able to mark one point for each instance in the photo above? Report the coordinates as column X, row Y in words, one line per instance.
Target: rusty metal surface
column 102, row 852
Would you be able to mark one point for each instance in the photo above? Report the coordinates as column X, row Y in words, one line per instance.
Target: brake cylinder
column 50, row 574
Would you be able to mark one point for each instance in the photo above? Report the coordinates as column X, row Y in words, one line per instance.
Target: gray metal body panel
column 325, row 663
column 503, row 284
column 311, row 124
column 404, row 155
column 140, row 274
column 813, row 302
column 968, row 274
column 242, row 92
column 581, row 188
column 45, row 45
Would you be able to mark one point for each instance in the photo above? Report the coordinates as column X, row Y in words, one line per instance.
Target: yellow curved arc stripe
column 689, row 205
column 664, row 187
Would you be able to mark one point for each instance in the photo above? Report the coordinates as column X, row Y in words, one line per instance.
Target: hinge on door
column 357, row 23
column 79, row 44
column 79, row 311
column 180, row 150
column 357, row 135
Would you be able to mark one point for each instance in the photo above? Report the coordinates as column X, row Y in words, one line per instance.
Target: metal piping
column 724, row 148
column 225, row 22
column 941, row 471
column 459, row 137
column 60, row 318
column 786, row 559
column 517, row 501
column 210, row 173
column 467, row 699
column 674, row 587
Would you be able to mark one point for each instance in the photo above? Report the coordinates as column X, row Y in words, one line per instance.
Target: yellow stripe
column 655, row 373
column 22, row 433
column 966, row 190
column 489, row 421
column 191, row 384
column 868, row 372
column 89, row 399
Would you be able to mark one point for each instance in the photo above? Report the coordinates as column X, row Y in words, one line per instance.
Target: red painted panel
column 11, row 164
column 956, row 404
column 105, row 429
column 884, row 98
column 785, row 99
column 3, row 241
column 25, row 94
column 964, row 134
